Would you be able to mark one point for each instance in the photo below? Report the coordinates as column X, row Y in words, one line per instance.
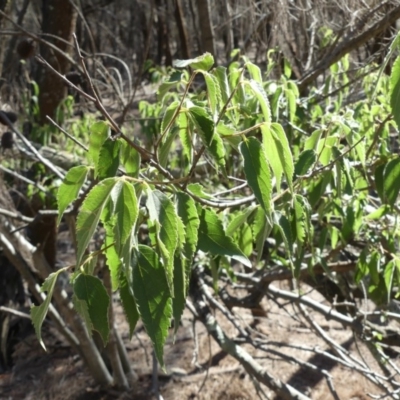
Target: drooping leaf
column 395, row 90
column 217, row 151
column 180, row 289
column 213, row 93
column 162, row 213
column 220, row 74
column 262, row 98
column 203, row 122
column 152, row 295
column 91, row 290
column 38, row 313
column 130, row 159
column 261, row 227
column 185, row 135
column 203, row 62
column 257, row 172
column 126, row 210
column 164, row 149
column 187, row 212
column 254, row 71
column 108, row 159
column 284, row 153
column 198, row 190
column 391, row 181
column 99, row 132
column 128, row 304
column 305, row 161
column 213, row 239
column 90, row 213
column 69, row 189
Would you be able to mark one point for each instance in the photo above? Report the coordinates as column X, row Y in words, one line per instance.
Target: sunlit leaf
column 214, row 240
column 152, row 297
column 70, row 188
column 203, row 62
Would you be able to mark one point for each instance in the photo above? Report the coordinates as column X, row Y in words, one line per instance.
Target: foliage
column 238, row 170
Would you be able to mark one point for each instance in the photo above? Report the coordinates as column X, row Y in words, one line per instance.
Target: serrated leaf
column 164, row 149
column 169, row 114
column 283, row 225
column 245, row 239
column 90, row 213
column 260, row 228
column 152, row 297
column 128, row 304
column 305, row 161
column 203, row 62
column 213, row 239
column 162, row 213
column 213, row 93
column 391, row 181
column 99, row 132
column 185, row 135
column 69, row 189
column 180, row 288
column 187, row 212
column 254, row 71
column 126, row 210
column 257, row 172
column 217, row 151
column 38, row 313
column 395, row 91
column 203, row 123
column 198, row 190
column 91, row 290
column 220, row 74
column 130, row 159
column 262, row 98
column 284, row 153
column 108, row 163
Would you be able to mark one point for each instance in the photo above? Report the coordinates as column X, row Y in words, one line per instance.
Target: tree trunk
column 59, row 19
column 206, row 26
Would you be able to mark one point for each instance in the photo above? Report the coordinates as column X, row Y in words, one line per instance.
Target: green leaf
column 261, row 228
column 391, row 180
column 69, row 189
column 245, row 239
column 284, row 153
column 164, row 149
column 395, row 90
column 180, row 288
column 203, row 123
column 126, row 210
column 254, row 71
column 152, row 297
column 198, row 190
column 173, row 80
column 185, row 135
column 99, row 132
column 388, row 275
column 108, row 159
column 213, row 239
column 213, row 93
column 257, row 172
column 38, row 313
column 90, row 213
column 220, row 74
column 203, row 62
column 217, row 151
column 91, row 290
column 169, row 114
column 305, row 161
column 238, row 220
column 130, row 159
column 162, row 213
column 262, row 98
column 128, row 304
column 187, row 212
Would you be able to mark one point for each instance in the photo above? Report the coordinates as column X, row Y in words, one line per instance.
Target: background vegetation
column 198, row 153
